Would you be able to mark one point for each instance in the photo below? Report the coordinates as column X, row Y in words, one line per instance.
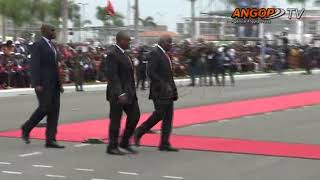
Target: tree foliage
column 148, row 21
column 108, row 20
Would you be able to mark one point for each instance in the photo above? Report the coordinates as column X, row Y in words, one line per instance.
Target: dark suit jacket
column 44, row 66
column 159, row 71
column 120, row 75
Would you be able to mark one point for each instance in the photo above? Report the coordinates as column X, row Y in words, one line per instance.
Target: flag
column 109, row 9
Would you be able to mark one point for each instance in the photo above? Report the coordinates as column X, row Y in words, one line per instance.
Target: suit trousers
column 49, row 105
column 163, row 111
column 133, row 115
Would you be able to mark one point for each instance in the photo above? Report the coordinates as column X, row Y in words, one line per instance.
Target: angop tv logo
column 266, row 13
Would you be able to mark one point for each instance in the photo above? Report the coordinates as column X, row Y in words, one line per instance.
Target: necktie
column 53, row 49
column 168, row 57
column 130, row 61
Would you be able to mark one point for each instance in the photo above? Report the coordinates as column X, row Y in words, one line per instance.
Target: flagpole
column 136, row 21
column 128, row 14
column 261, row 35
column 64, row 21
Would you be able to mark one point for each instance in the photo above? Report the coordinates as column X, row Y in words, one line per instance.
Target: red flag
column 109, row 9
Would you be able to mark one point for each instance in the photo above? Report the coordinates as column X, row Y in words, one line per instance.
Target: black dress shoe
column 129, row 149
column 136, row 139
column 25, row 136
column 115, row 151
column 152, row 132
column 168, row 148
column 54, row 144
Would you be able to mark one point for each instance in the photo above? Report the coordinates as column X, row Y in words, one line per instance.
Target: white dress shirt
column 166, row 55
column 52, row 47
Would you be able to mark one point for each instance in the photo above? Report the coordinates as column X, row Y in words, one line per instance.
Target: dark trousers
column 141, row 79
column 193, row 74
column 278, row 66
column 49, row 105
column 230, row 69
column 133, row 116
column 79, row 85
column 203, row 72
column 219, row 71
column 3, row 79
column 78, row 80
column 308, row 65
column 163, row 111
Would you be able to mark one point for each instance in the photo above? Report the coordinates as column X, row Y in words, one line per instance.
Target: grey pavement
column 69, row 88
column 298, row 125
column 90, row 162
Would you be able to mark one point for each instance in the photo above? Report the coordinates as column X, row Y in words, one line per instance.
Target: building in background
column 248, row 30
column 9, row 30
column 152, row 37
column 218, row 25
column 209, row 27
column 106, row 35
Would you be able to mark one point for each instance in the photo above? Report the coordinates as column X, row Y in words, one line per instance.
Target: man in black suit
column 47, row 85
column 163, row 93
column 121, row 94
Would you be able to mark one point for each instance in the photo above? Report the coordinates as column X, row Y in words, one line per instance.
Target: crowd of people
column 80, row 63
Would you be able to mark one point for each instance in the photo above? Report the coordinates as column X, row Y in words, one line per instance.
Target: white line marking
column 55, row 176
column 128, row 173
column 75, row 109
column 172, row 177
column 11, row 172
column 98, row 179
column 80, row 169
column 41, row 166
column 225, row 120
column 81, row 145
column 248, row 117
column 30, row 154
column 5, row 163
column 196, row 125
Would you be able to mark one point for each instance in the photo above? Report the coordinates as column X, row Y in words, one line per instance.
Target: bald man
column 163, row 93
column 121, row 94
column 47, row 85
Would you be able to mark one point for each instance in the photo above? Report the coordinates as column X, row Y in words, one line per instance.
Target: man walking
column 47, row 85
column 121, row 94
column 163, row 93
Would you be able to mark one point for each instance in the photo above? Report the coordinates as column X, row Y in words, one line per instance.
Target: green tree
column 16, row 11
column 39, row 10
column 233, row 2
column 108, row 20
column 148, row 21
column 55, row 12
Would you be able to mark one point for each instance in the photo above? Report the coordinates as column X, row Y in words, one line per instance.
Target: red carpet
column 239, row 146
column 80, row 131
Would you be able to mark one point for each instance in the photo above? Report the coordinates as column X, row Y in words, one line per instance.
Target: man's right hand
column 123, row 99
column 39, row 88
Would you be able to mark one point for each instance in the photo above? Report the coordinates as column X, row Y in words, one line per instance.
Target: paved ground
column 89, row 162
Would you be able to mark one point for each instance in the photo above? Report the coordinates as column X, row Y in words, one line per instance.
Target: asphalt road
column 90, row 162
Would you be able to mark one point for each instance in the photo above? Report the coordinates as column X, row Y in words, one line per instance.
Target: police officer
column 78, row 70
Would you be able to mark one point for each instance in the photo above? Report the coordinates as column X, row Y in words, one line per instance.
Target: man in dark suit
column 121, row 94
column 47, row 85
column 163, row 93
column 141, row 70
